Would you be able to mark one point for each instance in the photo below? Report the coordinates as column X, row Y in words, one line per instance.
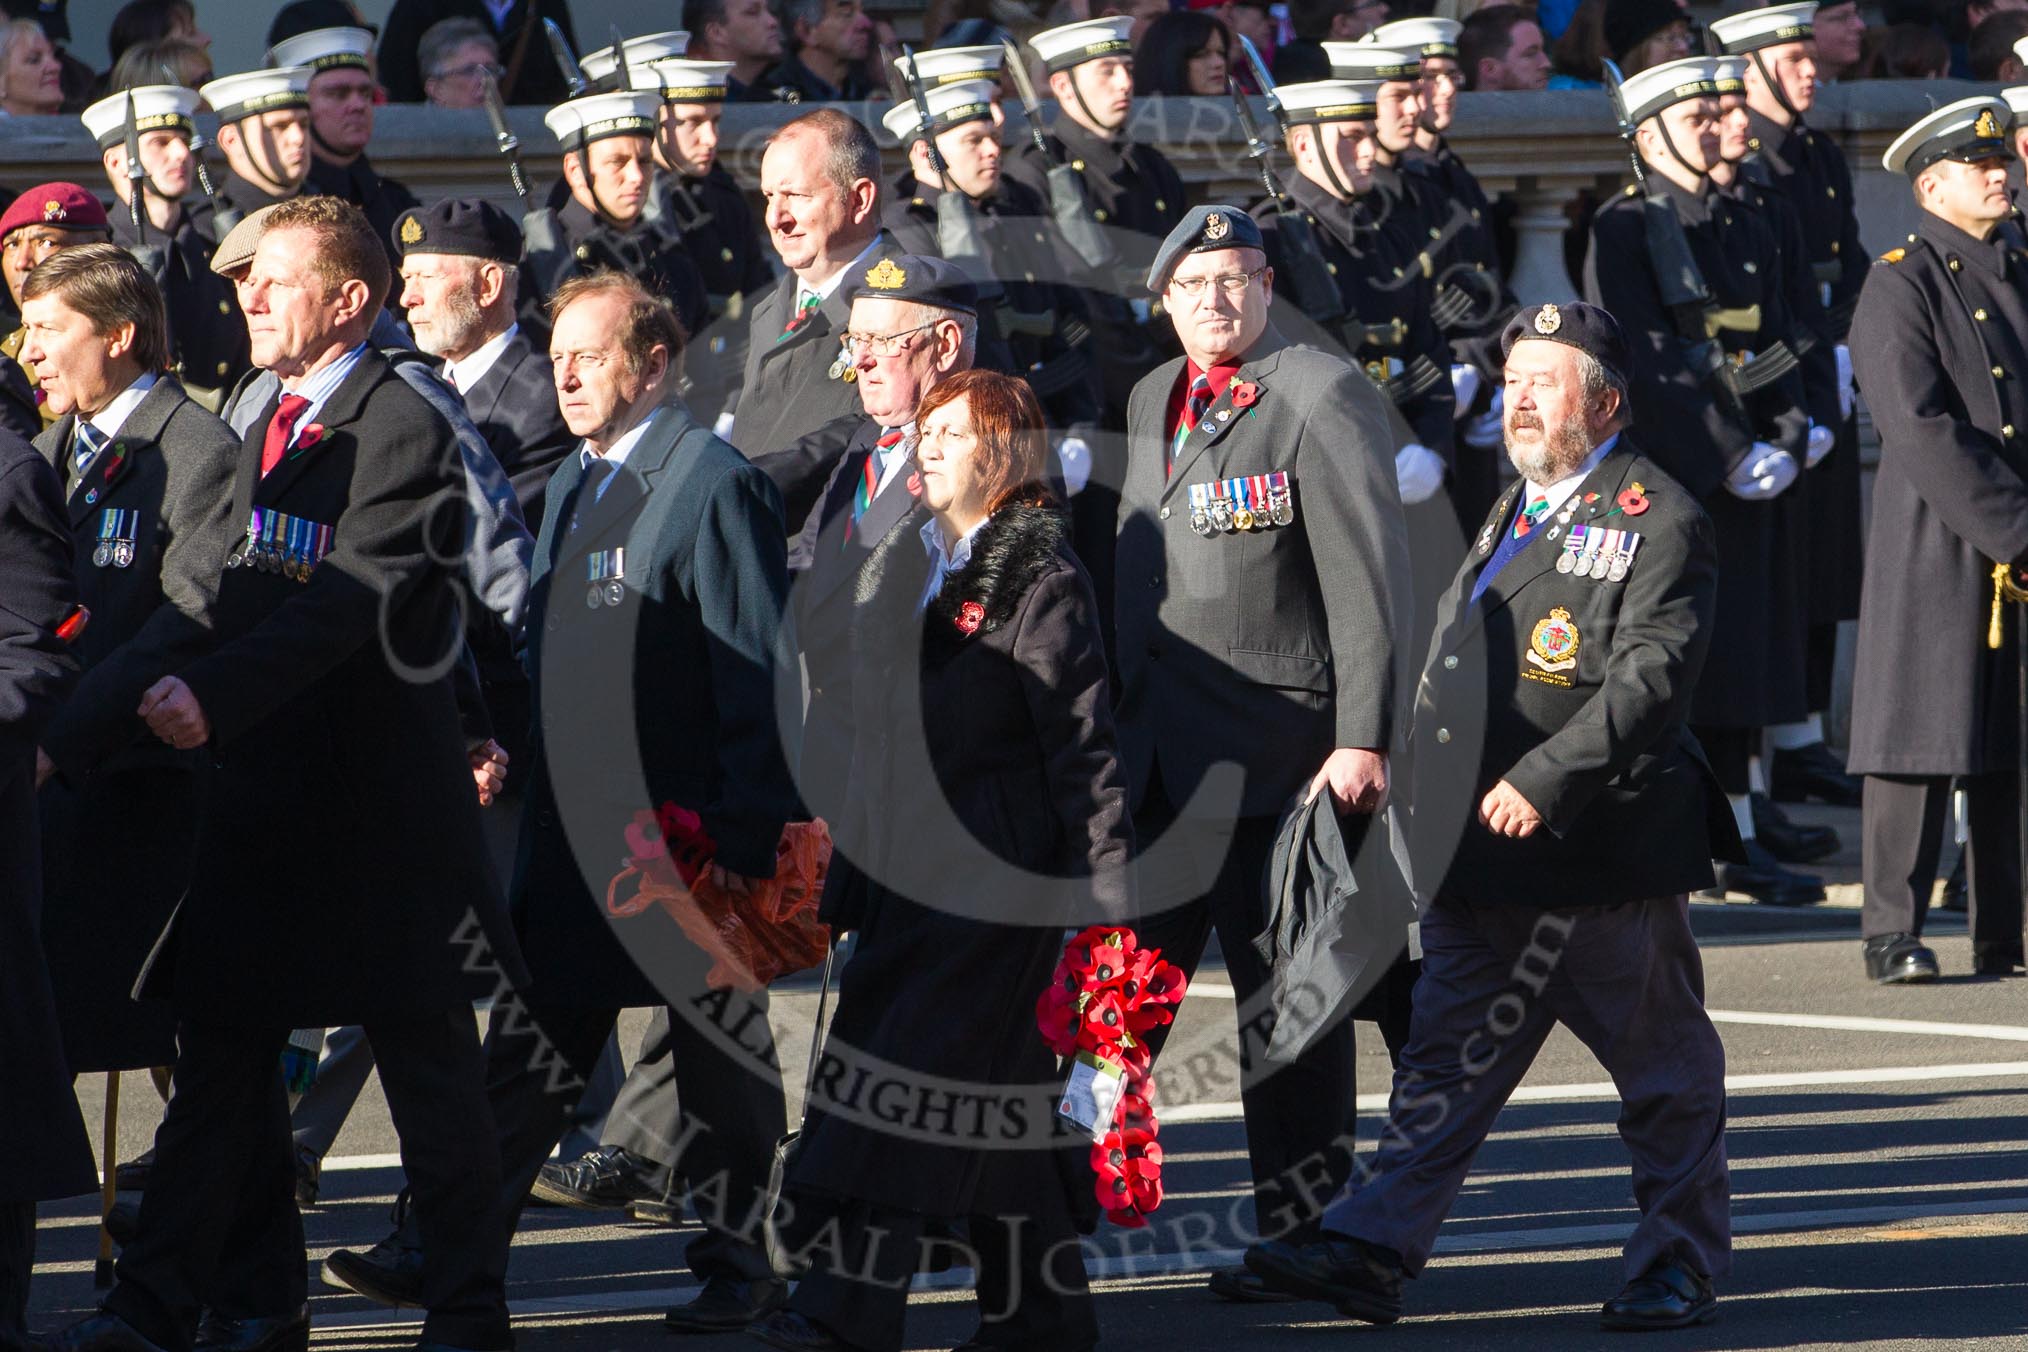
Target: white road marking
column 1853, row 1023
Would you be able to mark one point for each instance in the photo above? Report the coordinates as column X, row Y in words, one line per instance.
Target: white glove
column 1765, row 472
column 1822, row 439
column 1076, row 459
column 1420, row 473
column 1464, row 384
column 1485, row 432
column 722, row 428
column 1847, row 391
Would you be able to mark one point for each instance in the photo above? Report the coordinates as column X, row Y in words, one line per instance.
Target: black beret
column 1204, row 230
column 459, row 225
column 1629, row 23
column 916, row 277
column 1587, row 328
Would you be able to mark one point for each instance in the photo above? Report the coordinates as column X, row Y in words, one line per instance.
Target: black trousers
column 1728, row 750
column 1299, row 1118
column 1030, row 1277
column 537, row 1060
column 1902, row 819
column 219, row 1224
column 1629, row 982
column 1820, row 672
column 17, row 1264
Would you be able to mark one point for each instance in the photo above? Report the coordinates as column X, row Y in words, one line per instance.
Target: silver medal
column 595, row 596
column 1618, row 571
column 123, row 554
column 102, row 556
column 1600, row 567
column 1565, row 561
column 1200, row 521
column 615, row 592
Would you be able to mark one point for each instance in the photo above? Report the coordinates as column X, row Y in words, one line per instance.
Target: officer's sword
column 566, row 60
column 137, row 176
column 1068, row 203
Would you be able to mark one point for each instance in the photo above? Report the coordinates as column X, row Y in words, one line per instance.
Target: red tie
column 280, row 430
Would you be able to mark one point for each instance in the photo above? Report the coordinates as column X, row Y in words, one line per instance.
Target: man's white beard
column 1553, row 458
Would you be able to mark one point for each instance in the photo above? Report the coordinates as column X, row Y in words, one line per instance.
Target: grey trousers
column 1628, row 981
column 1902, row 821
column 645, row 1119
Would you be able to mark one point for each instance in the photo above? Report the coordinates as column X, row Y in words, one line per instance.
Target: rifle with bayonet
column 1068, row 202
column 543, row 255
column 154, row 259
column 960, row 238
column 566, row 59
column 1316, row 290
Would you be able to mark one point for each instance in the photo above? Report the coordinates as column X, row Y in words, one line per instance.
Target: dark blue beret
column 1203, row 230
column 1587, row 328
column 917, row 277
column 464, row 226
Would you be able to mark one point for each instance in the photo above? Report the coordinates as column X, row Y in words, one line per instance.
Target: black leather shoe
column 1343, row 1272
column 309, row 1175
column 133, row 1175
column 609, row 1177
column 1237, row 1284
column 389, row 1273
column 1766, row 881
column 102, row 1332
column 1996, row 961
column 123, row 1222
column 279, row 1333
column 1812, row 772
column 1666, row 1296
column 793, row 1332
column 1955, row 897
column 1899, row 959
column 1788, row 840
column 728, row 1303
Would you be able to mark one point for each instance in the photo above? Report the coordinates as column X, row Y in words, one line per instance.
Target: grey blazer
column 1270, row 647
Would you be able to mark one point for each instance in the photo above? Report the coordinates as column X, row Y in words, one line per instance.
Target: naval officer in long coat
column 1939, row 345
column 1260, row 586
column 1561, row 812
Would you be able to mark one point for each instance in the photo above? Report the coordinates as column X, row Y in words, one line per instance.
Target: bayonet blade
column 566, row 60
column 621, row 74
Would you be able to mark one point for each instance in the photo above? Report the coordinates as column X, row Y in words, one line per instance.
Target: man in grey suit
column 1260, row 579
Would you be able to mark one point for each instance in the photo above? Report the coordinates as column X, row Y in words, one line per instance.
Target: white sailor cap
column 1969, row 130
column 688, row 81
column 1429, row 36
column 1667, row 85
column 2021, row 51
column 1319, row 101
column 1073, row 44
column 2017, row 99
column 1369, row 60
column 325, row 49
column 951, row 65
column 1728, row 74
column 950, row 105
column 640, row 52
column 156, row 108
column 622, row 112
column 1770, row 27
column 254, row 92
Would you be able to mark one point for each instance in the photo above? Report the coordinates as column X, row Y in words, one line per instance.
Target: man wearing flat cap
column 1260, row 596
column 1561, row 812
column 1940, row 345
column 48, row 217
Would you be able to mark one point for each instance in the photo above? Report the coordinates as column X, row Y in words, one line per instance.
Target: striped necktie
column 1195, row 404
column 869, row 477
column 804, row 306
column 1530, row 516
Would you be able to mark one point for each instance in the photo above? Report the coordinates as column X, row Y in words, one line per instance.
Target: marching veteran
column 1255, row 468
column 1550, row 731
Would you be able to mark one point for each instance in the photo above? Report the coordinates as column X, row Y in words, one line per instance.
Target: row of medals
column 605, row 594
column 268, row 558
column 1598, row 565
column 118, row 553
column 1223, row 516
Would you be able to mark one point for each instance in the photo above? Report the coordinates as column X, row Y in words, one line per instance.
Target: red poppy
column 310, row 436
column 1136, row 1114
column 690, row 846
column 1126, row 1218
column 1632, row 501
column 1099, row 964
column 118, row 458
column 970, row 616
column 1244, row 393
column 1056, row 1020
column 1104, row 1023
column 1144, row 1180
column 1590, row 497
column 644, row 838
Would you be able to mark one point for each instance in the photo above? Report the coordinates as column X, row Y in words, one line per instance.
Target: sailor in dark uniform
column 1939, row 346
column 1734, row 435
column 608, row 166
column 264, row 132
column 1037, row 329
column 341, row 122
column 207, row 336
column 1561, row 811
column 1811, row 171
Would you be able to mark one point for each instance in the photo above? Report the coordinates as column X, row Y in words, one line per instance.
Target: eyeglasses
column 473, row 72
column 882, row 344
column 1233, row 284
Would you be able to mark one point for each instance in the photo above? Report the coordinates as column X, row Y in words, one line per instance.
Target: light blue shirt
column 320, row 385
column 942, row 564
column 1558, row 493
column 617, row 455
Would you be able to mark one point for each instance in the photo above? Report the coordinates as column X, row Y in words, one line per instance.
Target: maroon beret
column 64, row 205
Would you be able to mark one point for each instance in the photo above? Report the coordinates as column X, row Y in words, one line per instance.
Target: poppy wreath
column 1106, row 995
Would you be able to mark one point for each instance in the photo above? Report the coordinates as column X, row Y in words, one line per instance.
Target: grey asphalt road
column 1876, row 1138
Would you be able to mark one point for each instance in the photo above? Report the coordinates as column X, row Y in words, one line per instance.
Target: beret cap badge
column 885, row 276
column 1548, row 320
column 52, row 210
column 411, row 231
column 1216, row 226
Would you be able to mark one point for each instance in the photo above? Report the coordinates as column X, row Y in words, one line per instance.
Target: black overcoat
column 1940, row 347
column 43, row 1149
column 341, row 873
column 1005, row 774
column 119, row 820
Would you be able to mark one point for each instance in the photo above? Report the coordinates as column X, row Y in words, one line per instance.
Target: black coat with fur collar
column 987, row 812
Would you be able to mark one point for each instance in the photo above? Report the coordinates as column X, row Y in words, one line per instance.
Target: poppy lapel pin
column 1633, row 501
column 307, row 438
column 115, row 462
column 970, row 616
column 1245, row 394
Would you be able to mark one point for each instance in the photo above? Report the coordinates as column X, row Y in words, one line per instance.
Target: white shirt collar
column 1558, row 493
column 892, row 459
column 469, row 371
column 943, row 564
column 319, row 386
column 108, row 421
column 621, row 449
column 829, row 287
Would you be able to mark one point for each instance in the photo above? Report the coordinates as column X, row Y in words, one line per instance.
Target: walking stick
column 102, row 1270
